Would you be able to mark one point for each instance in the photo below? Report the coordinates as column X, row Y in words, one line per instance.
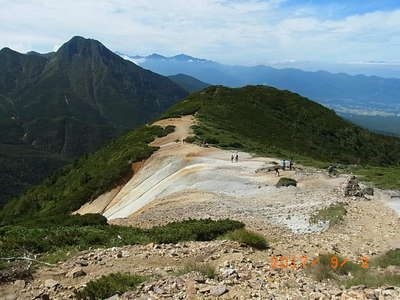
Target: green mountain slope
column 61, row 105
column 84, row 180
column 188, row 83
column 266, row 120
column 253, row 118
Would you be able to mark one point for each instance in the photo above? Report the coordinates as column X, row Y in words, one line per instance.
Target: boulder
column 368, row 191
column 218, row 290
column 76, row 272
column 50, row 283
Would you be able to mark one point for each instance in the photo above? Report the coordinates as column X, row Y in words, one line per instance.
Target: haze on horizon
column 245, row 32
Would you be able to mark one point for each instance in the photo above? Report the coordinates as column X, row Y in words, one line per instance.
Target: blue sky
column 344, row 8
column 229, row 31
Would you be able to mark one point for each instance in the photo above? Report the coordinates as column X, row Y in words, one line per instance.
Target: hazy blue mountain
column 188, row 83
column 371, row 68
column 336, row 90
column 57, row 106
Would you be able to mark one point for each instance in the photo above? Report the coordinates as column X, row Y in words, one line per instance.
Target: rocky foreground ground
column 368, row 229
column 242, row 274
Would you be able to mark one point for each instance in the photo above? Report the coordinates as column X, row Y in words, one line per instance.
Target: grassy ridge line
column 270, row 122
column 92, row 175
column 267, row 120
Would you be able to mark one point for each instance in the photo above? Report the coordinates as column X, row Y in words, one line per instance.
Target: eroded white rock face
column 238, row 187
column 166, row 174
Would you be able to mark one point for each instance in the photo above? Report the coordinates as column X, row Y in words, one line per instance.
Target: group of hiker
column 235, row 157
column 284, row 163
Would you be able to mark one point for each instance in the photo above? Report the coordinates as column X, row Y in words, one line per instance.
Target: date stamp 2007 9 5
column 284, row 262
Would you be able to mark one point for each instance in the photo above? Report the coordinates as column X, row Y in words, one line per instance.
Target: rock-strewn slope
column 182, row 181
column 242, row 273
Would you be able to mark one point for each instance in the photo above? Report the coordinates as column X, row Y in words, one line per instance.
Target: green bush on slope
column 109, row 285
column 286, row 182
column 249, row 238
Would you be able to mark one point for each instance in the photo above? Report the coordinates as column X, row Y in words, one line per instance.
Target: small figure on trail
column 232, row 157
column 283, row 165
column 276, row 168
column 237, row 157
column 291, row 164
column 332, row 170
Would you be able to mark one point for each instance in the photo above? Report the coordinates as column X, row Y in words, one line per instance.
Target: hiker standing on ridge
column 237, row 157
column 283, row 165
column 276, row 168
column 232, row 157
column 290, row 164
column 332, row 171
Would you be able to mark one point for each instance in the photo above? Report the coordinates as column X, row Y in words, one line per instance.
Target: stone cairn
column 351, row 188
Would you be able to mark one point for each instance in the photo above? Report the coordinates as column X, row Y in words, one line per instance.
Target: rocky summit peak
column 8, row 51
column 82, row 46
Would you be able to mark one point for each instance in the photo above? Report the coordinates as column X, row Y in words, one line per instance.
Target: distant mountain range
column 56, row 106
column 331, row 89
column 385, row 69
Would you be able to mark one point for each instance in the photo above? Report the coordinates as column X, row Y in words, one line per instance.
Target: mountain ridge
column 335, row 90
column 71, row 102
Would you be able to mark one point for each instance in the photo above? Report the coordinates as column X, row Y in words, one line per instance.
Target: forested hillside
column 58, row 106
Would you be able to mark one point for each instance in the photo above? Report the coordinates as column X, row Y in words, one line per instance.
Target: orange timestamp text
column 284, row 262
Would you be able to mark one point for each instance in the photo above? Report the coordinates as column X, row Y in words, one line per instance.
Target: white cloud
column 231, row 31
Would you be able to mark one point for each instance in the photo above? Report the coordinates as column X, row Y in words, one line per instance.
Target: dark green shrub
column 192, row 230
column 167, row 130
column 390, row 258
column 235, row 145
column 66, row 220
column 190, row 139
column 14, row 240
column 212, row 140
column 286, row 182
column 248, row 238
column 109, row 285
